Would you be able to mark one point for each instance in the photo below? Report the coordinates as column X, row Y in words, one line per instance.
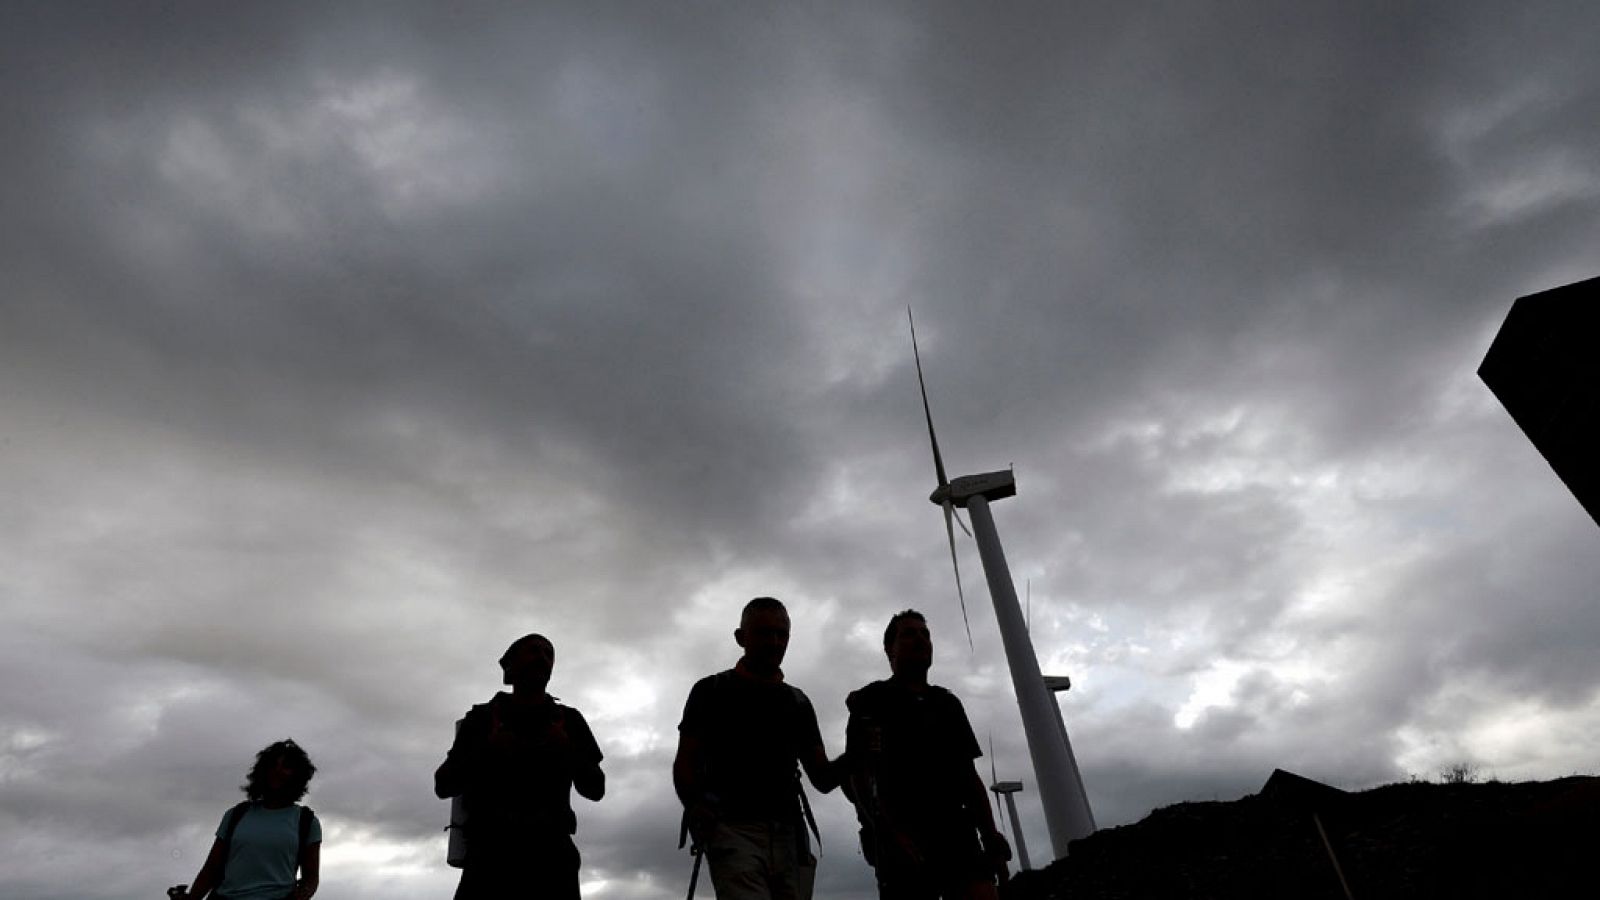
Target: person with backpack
column 262, row 842
column 744, row 736
column 515, row 762
column 926, row 825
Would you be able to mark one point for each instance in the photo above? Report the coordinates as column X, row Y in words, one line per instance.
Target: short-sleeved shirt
column 264, row 854
column 925, row 770
column 521, row 783
column 754, row 734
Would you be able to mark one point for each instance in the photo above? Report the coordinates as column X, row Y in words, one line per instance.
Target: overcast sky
column 342, row 344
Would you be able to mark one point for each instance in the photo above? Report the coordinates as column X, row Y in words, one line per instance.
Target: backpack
column 459, row 829
column 237, row 813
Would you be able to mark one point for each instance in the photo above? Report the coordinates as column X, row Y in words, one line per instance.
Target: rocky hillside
column 1413, row 840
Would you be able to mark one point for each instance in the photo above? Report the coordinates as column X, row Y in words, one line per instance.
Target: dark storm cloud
column 339, row 346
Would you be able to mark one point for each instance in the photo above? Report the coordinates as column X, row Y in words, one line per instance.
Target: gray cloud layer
column 338, row 347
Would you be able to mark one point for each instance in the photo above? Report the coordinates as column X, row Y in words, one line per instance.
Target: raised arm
column 583, row 752
column 210, row 873
column 589, row 781
column 450, row 779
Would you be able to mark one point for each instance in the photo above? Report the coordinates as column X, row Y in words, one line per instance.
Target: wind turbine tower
column 1008, row 790
column 1066, row 805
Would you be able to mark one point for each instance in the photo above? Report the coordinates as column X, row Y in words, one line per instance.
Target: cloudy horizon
column 342, row 344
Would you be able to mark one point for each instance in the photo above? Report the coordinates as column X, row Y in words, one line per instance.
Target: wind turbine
column 1066, row 805
column 1008, row 790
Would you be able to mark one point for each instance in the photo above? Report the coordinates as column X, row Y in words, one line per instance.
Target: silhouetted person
column 516, row 760
column 743, row 737
column 927, row 828
column 263, row 841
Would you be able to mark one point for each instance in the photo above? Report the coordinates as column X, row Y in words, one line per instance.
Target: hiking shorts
column 761, row 860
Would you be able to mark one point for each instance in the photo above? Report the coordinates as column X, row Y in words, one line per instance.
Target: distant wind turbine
column 1008, row 790
column 1066, row 804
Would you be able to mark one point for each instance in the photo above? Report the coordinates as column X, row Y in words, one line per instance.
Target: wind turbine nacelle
column 990, row 486
column 1055, row 684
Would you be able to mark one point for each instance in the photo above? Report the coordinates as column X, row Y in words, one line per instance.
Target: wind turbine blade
column 950, row 532
column 938, row 461
column 964, row 528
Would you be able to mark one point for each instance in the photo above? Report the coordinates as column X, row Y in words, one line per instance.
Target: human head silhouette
column 908, row 644
column 281, row 774
column 527, row 663
column 763, row 632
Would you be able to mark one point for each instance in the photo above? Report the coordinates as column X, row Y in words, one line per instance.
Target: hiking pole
column 805, row 807
column 695, row 850
column 694, row 874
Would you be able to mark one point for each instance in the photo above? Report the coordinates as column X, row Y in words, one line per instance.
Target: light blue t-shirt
column 265, row 852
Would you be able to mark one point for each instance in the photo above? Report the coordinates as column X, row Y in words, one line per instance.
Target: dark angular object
column 1544, row 366
column 1300, row 793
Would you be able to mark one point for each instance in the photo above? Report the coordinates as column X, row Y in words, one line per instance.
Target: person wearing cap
column 516, row 760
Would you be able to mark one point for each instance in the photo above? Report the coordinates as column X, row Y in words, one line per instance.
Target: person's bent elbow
column 685, row 769
column 444, row 783
column 591, row 786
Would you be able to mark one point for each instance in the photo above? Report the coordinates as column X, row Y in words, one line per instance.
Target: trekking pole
column 695, row 850
column 805, row 808
column 694, row 874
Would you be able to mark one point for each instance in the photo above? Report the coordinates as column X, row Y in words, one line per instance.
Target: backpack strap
column 306, row 815
column 234, row 815
column 805, row 807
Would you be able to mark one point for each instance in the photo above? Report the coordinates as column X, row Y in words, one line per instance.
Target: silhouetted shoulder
column 711, row 681
column 961, row 727
column 711, row 685
column 887, row 692
column 584, row 745
column 475, row 724
column 727, row 700
column 868, row 697
column 947, row 702
column 933, row 708
column 799, row 696
column 702, row 708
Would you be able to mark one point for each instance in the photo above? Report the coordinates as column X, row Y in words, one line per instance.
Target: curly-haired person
column 263, row 842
